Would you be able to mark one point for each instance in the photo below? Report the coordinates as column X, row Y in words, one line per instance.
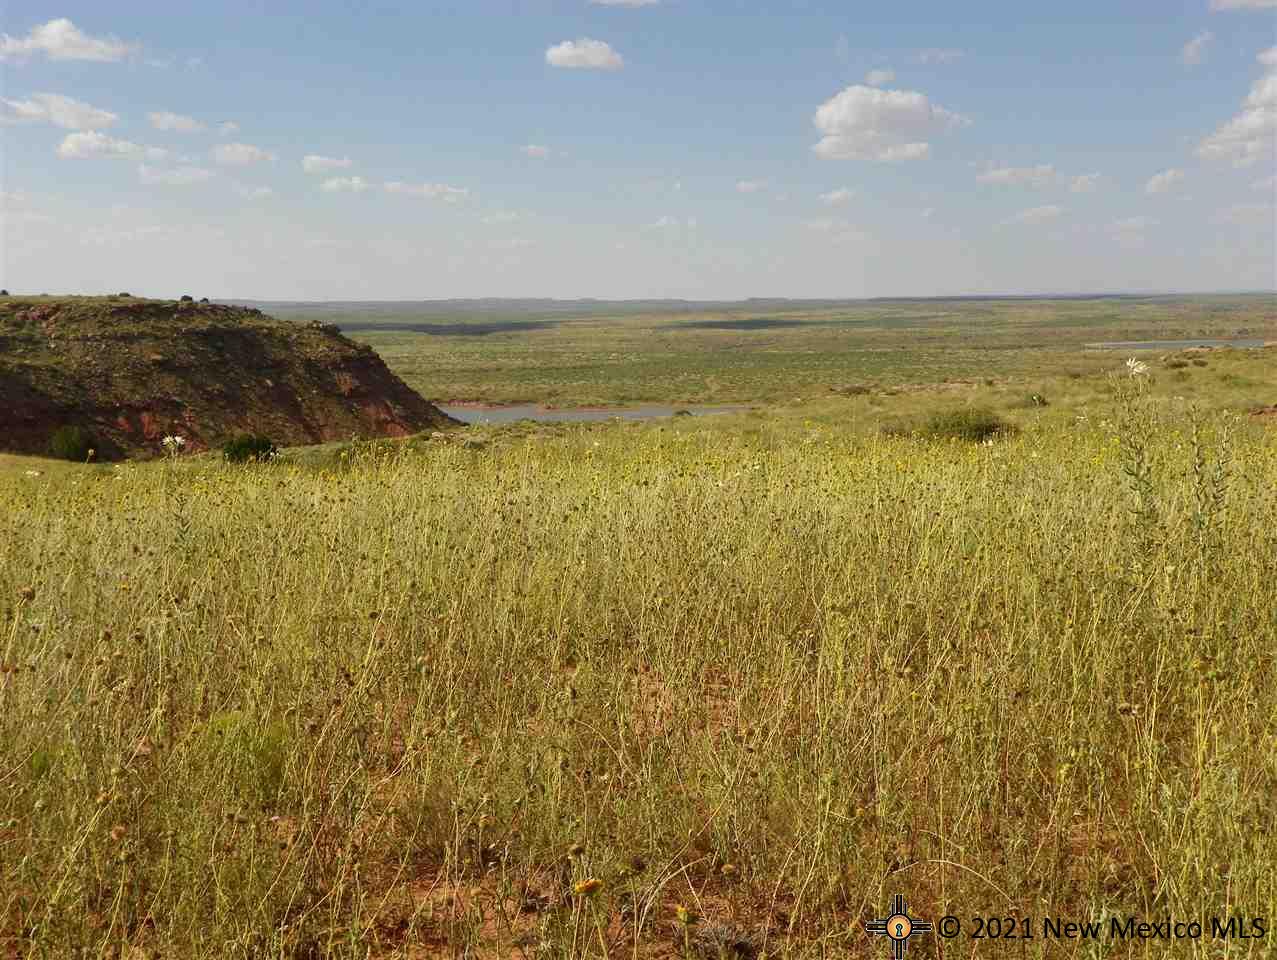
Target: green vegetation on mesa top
column 584, row 352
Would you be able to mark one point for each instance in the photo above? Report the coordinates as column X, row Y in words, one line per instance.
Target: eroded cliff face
column 133, row 371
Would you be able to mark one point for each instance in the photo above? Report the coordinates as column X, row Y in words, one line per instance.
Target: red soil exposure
column 134, row 371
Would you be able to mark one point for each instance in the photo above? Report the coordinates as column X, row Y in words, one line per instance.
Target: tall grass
column 415, row 703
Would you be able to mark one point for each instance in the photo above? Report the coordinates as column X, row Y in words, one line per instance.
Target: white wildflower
column 1137, row 368
column 33, row 473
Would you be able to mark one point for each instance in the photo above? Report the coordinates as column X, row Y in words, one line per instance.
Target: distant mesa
column 131, row 373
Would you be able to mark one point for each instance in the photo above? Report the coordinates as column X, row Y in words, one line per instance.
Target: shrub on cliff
column 248, row 447
column 71, row 443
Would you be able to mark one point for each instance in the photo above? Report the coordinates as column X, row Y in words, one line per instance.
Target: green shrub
column 968, row 423
column 248, row 447
column 71, row 443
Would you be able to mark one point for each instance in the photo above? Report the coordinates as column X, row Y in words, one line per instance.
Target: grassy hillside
column 558, row 693
column 131, row 371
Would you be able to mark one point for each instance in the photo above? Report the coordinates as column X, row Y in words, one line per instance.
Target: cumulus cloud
column 941, row 55
column 314, row 163
column 584, row 54
column 879, row 78
column 172, row 176
column 240, row 154
column 1035, row 215
column 175, row 121
column 346, row 185
column 1164, row 181
column 1243, row 4
column 64, row 112
column 836, row 197
column 867, row 123
column 429, row 191
column 750, row 186
column 1194, row 52
column 91, row 144
column 61, row 39
column 1251, row 134
column 1039, row 176
column 227, row 127
column 535, row 150
column 1085, row 183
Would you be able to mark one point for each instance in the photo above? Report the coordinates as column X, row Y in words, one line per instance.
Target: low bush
column 968, row 423
column 248, row 447
column 71, row 443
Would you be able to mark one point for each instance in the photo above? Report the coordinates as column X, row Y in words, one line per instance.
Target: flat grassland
column 581, row 353
column 698, row 687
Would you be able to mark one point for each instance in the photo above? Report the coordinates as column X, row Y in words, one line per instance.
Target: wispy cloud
column 64, row 112
column 940, row 55
column 175, row 121
column 173, row 176
column 91, row 144
column 1035, row 215
column 535, row 150
column 429, row 191
column 1085, row 183
column 837, row 197
column 314, row 163
column 346, row 185
column 240, row 154
column 1039, row 176
column 751, row 186
column 1194, row 52
column 61, row 39
column 880, row 78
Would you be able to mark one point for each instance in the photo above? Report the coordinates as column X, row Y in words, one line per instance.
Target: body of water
column 1171, row 344
column 531, row 411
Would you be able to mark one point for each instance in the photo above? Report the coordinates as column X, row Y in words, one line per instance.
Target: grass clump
column 972, row 424
column 247, row 448
column 72, row 442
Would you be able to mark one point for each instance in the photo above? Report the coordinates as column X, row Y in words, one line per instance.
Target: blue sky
column 677, row 148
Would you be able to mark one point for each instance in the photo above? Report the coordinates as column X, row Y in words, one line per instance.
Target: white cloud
column 1085, row 183
column 1243, row 4
column 1039, row 176
column 866, row 123
column 58, row 110
column 501, row 217
column 879, row 78
column 1194, row 51
column 751, row 186
column 346, row 185
column 314, row 163
column 1164, row 181
column 1035, row 215
column 1251, row 134
column 429, row 191
column 175, row 121
column 227, row 127
column 535, row 150
column 83, row 146
column 934, row 55
column 584, row 54
column 173, row 177
column 836, row 197
column 61, row 39
column 827, row 225
column 240, row 154
column 1268, row 183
